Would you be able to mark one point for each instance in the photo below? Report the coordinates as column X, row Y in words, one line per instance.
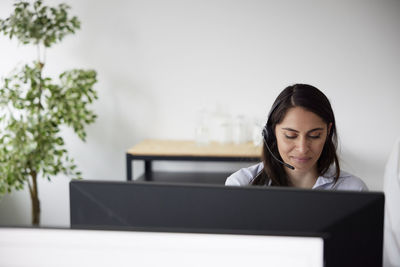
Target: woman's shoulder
column 346, row 181
column 244, row 176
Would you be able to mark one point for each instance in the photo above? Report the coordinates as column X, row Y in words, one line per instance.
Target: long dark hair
column 311, row 99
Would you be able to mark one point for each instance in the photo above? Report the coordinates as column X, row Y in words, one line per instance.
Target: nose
column 302, row 145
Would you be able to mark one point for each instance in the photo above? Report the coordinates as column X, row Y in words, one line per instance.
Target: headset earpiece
column 268, row 133
column 265, row 133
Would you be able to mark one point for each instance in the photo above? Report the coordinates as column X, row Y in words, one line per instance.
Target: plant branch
column 30, row 186
column 34, row 183
column 38, row 52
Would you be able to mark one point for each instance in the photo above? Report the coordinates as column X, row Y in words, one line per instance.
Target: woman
column 299, row 145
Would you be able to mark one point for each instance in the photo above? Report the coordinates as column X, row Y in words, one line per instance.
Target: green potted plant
column 34, row 106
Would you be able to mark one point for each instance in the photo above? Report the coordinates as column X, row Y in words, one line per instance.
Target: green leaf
column 38, row 24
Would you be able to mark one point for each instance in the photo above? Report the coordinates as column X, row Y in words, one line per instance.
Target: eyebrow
column 310, row 131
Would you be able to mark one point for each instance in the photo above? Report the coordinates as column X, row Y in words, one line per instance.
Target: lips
column 301, row 159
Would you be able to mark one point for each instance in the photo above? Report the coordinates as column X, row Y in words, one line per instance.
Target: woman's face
column 301, row 137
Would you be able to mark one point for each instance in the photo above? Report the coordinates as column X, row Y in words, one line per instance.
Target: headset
column 268, row 134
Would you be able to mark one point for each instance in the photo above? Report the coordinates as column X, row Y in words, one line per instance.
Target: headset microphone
column 265, row 136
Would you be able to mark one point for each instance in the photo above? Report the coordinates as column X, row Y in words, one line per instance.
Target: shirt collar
column 321, row 181
column 327, row 178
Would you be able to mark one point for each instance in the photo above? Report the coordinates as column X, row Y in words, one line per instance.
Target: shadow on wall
column 15, row 208
column 125, row 105
column 367, row 166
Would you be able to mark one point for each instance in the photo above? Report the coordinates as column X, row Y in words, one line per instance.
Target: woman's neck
column 302, row 179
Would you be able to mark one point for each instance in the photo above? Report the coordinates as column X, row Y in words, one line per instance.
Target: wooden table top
column 152, row 147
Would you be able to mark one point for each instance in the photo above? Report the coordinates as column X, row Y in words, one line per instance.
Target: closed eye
column 309, row 136
column 315, row 136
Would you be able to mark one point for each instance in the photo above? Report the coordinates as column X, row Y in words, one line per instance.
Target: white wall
column 159, row 62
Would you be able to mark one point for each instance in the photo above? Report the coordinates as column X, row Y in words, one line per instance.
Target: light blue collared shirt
column 346, row 180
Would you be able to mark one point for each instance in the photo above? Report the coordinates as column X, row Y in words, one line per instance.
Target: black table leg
column 128, row 167
column 148, row 170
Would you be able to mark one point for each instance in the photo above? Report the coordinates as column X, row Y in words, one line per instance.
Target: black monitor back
column 350, row 222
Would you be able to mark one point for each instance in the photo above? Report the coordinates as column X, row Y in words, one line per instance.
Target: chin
column 302, row 167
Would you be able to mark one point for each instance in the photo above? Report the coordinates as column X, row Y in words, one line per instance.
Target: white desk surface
column 65, row 248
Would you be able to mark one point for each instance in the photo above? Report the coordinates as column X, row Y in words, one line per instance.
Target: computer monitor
column 351, row 223
column 65, row 248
